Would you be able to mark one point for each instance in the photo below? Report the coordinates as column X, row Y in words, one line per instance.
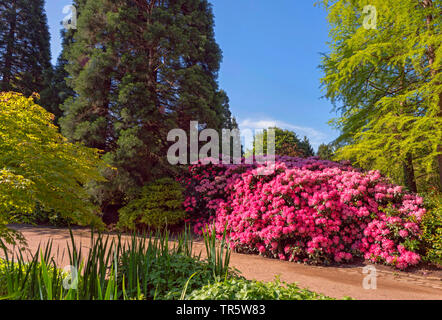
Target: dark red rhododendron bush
column 307, row 210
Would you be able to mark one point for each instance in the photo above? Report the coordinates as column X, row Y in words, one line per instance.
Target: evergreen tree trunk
column 409, row 176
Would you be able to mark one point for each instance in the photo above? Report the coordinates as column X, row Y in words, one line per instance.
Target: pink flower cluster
column 308, row 210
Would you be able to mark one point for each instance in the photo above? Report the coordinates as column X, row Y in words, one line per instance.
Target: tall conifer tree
column 139, row 69
column 25, row 58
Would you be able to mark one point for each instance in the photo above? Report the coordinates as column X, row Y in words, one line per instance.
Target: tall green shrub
column 432, row 229
column 159, row 204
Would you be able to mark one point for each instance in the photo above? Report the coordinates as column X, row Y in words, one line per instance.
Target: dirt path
column 332, row 281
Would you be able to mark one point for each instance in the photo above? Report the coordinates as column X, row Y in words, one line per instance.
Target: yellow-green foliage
column 432, row 228
column 38, row 165
column 385, row 83
column 160, row 204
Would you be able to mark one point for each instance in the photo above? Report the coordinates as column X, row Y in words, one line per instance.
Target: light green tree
column 39, row 165
column 383, row 75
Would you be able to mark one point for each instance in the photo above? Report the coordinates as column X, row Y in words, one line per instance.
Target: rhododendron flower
column 330, row 210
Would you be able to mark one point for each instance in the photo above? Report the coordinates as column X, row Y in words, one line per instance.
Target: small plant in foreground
column 241, row 289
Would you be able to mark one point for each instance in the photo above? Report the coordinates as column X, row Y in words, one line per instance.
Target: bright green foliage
column 160, row 204
column 25, row 57
column 38, row 165
column 139, row 69
column 241, row 289
column 386, row 84
column 287, row 143
column 432, row 228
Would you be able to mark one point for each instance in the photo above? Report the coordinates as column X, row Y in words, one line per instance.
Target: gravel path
column 332, row 281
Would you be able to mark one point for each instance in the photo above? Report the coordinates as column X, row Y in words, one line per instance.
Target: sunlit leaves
column 38, row 165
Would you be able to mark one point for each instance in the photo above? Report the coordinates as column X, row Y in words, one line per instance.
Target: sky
column 271, row 53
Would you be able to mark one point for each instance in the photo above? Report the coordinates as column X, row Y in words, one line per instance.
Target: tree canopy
column 39, row 165
column 287, row 143
column 25, row 57
column 385, row 82
column 138, row 70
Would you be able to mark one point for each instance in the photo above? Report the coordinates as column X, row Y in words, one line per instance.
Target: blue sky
column 270, row 69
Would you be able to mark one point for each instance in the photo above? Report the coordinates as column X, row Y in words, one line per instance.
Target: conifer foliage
column 25, row 58
column 139, row 69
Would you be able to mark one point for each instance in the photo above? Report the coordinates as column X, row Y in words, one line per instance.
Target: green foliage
column 386, row 85
column 432, row 229
column 218, row 255
column 325, row 152
column 113, row 268
column 25, row 58
column 40, row 216
column 139, row 69
column 38, row 165
column 149, row 267
column 287, row 143
column 159, row 205
column 241, row 289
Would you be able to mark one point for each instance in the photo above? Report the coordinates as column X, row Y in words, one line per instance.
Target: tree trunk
column 409, row 176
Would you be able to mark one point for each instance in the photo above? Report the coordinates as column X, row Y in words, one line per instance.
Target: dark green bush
column 432, row 229
column 241, row 289
column 41, row 216
column 160, row 204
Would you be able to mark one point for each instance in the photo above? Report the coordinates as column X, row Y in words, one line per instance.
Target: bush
column 432, row 229
column 241, row 289
column 168, row 277
column 308, row 210
column 160, row 204
column 40, row 216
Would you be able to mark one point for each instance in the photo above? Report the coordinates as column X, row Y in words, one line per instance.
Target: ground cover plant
column 242, row 289
column 308, row 210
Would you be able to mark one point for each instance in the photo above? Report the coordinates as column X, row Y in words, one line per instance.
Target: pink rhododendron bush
column 308, row 210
